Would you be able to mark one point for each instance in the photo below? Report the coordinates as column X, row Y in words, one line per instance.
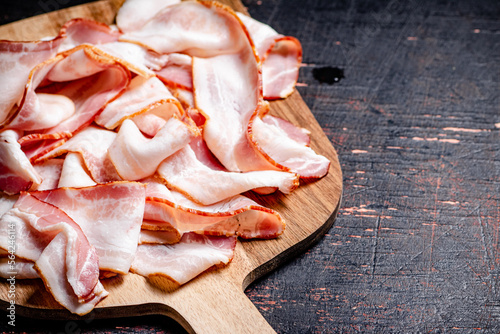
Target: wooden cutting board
column 214, row 302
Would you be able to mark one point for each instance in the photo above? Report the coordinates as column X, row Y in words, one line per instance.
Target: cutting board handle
column 219, row 306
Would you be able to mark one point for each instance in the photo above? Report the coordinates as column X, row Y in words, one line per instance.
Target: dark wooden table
column 408, row 93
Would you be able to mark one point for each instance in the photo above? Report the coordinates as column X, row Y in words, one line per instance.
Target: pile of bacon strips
column 126, row 148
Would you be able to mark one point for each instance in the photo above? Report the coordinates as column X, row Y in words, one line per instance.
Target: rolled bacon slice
column 136, row 157
column 183, row 261
column 280, row 55
column 63, row 256
column 236, row 216
column 110, row 215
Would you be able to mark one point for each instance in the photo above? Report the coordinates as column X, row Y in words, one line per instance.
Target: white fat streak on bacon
column 63, row 256
column 136, row 157
column 184, row 172
column 16, row 171
column 282, row 148
column 74, row 173
column 17, row 59
column 185, row 260
column 22, row 269
column 50, row 171
column 133, row 14
column 280, row 56
column 110, row 215
column 92, row 143
column 194, row 28
column 141, row 96
column 238, row 215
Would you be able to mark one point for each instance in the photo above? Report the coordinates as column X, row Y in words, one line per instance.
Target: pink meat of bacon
column 110, row 215
column 184, row 260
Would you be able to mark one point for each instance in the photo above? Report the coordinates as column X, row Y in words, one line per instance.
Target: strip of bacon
column 281, row 146
column 136, row 157
column 185, row 173
column 110, row 215
column 74, row 173
column 200, row 29
column 63, row 256
column 133, row 14
column 50, row 171
column 280, row 55
column 141, row 96
column 183, row 261
column 92, row 143
column 177, row 72
column 240, row 216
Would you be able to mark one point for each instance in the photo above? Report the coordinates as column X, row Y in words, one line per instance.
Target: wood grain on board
column 214, row 302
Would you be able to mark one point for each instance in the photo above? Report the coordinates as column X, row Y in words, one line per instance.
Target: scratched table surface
column 408, row 93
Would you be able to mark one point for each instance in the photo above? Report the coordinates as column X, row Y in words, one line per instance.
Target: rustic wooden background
column 408, row 93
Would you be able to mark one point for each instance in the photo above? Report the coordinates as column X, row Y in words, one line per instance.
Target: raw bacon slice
column 135, row 57
column 17, row 59
column 86, row 31
column 92, row 143
column 227, row 92
column 72, row 273
column 136, row 157
column 133, row 14
column 74, row 173
column 185, row 173
column 110, row 215
column 201, row 29
column 240, row 216
column 280, row 55
column 141, row 96
column 163, row 237
column 16, row 172
column 282, row 147
column 183, row 261
column 52, row 269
